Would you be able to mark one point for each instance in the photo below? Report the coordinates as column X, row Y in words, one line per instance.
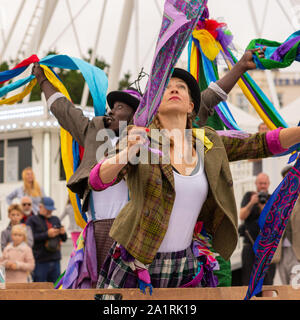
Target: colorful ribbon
column 209, row 42
column 277, row 55
column 97, row 83
column 179, row 20
column 81, row 272
column 272, row 222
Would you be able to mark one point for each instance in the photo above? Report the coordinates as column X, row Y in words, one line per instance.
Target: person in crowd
column 26, row 205
column 257, row 163
column 153, row 233
column 30, row 188
column 48, row 234
column 15, row 215
column 287, row 255
column 17, row 256
column 251, row 208
column 73, row 228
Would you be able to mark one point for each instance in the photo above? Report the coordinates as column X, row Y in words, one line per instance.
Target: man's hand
column 254, row 199
column 11, row 265
column 247, row 61
column 53, row 232
column 62, row 230
column 38, row 72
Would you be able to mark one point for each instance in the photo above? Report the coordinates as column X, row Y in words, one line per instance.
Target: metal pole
column 85, row 94
column 120, row 46
column 39, row 33
column 295, row 21
column 12, row 28
column 137, row 42
column 74, row 28
column 46, row 162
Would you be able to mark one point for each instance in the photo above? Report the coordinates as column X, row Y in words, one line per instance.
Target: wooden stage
column 46, row 291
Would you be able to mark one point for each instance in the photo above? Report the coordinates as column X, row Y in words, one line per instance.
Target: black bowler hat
column 130, row 96
column 192, row 85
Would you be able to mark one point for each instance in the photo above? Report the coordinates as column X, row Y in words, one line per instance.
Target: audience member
column 15, row 216
column 26, row 205
column 17, row 256
column 48, row 234
column 73, row 228
column 30, row 188
column 257, row 163
column 251, row 208
column 287, row 254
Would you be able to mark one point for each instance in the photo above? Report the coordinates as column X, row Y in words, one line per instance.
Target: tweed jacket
column 84, row 131
column 141, row 225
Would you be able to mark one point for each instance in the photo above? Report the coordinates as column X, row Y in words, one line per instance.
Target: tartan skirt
column 102, row 239
column 167, row 270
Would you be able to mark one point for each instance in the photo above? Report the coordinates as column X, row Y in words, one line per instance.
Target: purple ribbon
column 179, row 20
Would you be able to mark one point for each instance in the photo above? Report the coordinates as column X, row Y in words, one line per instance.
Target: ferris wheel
column 42, row 12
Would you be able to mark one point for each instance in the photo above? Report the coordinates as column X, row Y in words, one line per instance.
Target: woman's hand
column 137, row 137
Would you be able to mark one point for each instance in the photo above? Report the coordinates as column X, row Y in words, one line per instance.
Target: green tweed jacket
column 141, row 225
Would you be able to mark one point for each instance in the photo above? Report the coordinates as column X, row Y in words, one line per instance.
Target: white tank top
column 109, row 202
column 191, row 192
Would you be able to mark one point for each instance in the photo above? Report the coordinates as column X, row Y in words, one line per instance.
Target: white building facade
column 30, row 137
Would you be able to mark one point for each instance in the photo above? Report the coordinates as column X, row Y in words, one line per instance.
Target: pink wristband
column 95, row 181
column 273, row 141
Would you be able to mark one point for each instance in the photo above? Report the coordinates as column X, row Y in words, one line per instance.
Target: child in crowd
column 17, row 256
column 15, row 216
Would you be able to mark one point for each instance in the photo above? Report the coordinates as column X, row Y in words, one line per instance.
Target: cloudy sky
column 236, row 13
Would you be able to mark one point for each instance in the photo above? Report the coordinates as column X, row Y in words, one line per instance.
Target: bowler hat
column 130, row 96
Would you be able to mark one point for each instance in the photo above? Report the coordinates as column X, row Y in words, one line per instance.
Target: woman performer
column 103, row 207
column 153, row 233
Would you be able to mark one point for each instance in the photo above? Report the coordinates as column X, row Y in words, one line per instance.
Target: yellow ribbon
column 193, row 61
column 16, row 98
column 66, row 146
column 208, row 43
column 200, row 134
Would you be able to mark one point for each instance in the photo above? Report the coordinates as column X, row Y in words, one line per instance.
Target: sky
column 235, row 13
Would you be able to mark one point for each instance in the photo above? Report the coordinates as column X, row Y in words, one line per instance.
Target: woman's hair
column 20, row 228
column 32, row 189
column 16, row 207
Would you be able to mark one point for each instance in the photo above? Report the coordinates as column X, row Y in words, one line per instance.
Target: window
column 1, row 161
column 62, row 174
column 15, row 156
column 280, row 99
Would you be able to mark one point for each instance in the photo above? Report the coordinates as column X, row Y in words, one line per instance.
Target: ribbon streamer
column 179, row 20
column 277, row 55
column 272, row 222
column 97, row 83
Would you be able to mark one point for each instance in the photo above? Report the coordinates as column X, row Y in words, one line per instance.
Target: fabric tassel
column 144, row 280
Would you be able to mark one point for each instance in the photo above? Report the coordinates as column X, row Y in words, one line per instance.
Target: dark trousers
column 46, row 271
column 247, row 264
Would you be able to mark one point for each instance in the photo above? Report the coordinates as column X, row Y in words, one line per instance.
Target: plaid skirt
column 103, row 241
column 167, row 270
